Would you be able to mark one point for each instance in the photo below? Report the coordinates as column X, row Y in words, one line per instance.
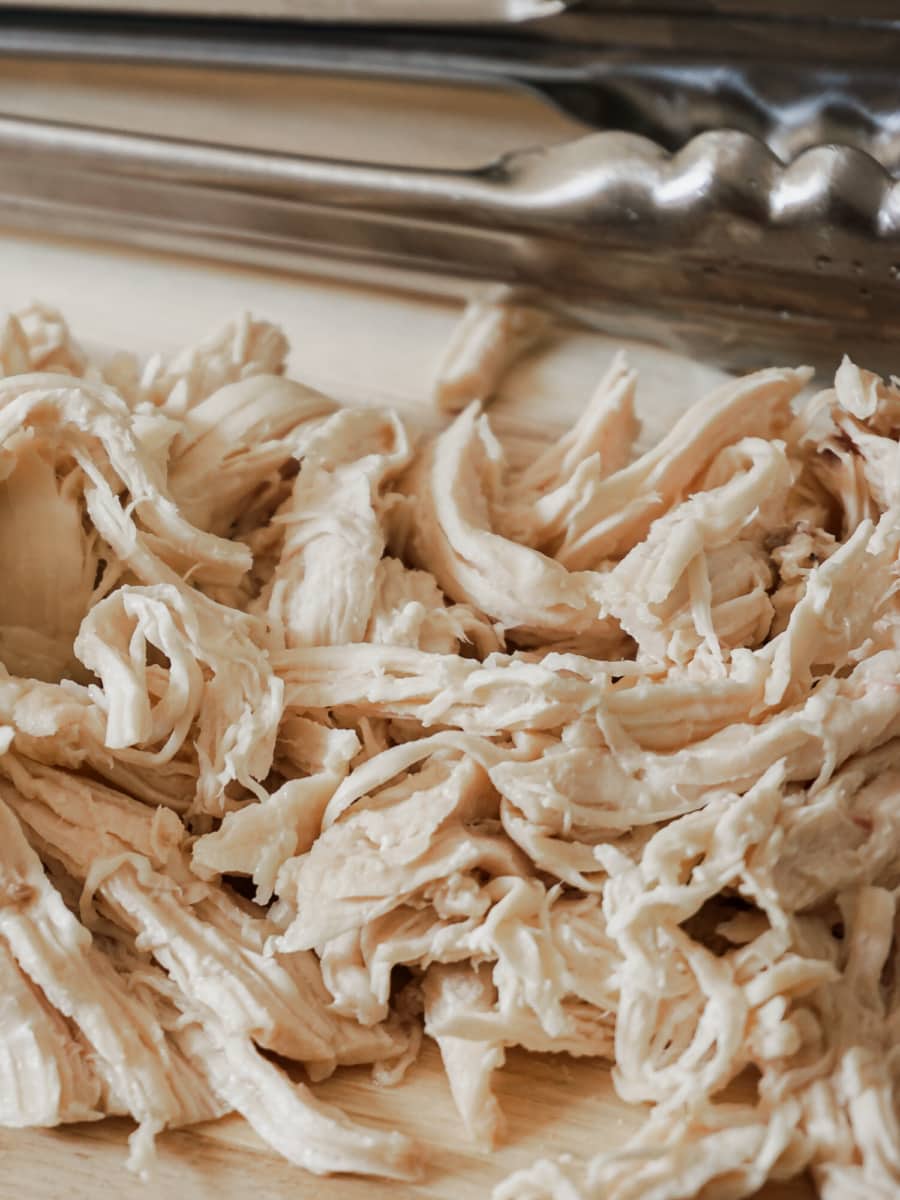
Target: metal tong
column 604, row 223
column 792, row 82
column 657, row 216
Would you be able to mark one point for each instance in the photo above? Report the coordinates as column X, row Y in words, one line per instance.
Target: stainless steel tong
column 603, row 223
column 756, row 222
column 793, row 82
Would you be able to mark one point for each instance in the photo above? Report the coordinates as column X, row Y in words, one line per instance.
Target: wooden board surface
column 364, row 346
column 417, row 123
column 553, row 1105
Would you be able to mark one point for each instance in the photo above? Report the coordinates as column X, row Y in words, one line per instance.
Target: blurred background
column 717, row 177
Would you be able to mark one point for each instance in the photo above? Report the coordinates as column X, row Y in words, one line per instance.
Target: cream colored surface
column 554, row 1106
column 413, row 123
column 364, row 346
column 360, row 343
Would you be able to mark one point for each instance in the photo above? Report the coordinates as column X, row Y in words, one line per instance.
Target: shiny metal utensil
column 667, row 95
column 439, row 12
column 801, row 31
column 605, row 222
column 819, row 10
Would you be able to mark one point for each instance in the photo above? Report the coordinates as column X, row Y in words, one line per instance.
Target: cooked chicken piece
column 682, row 1013
column 488, row 920
column 323, row 588
column 846, row 836
column 357, row 966
column 141, row 1070
column 705, row 618
column 879, row 463
column 92, row 425
column 842, row 473
column 456, row 482
column 213, row 952
column 46, row 1076
column 408, row 609
column 584, row 788
column 504, row 693
column 469, row 1064
column 492, row 335
column 499, row 694
column 258, row 840
column 716, row 1154
column 533, row 974
column 231, row 444
column 312, row 747
column 313, row 1135
column 172, row 784
column 598, row 444
column 571, row 862
column 675, row 552
column 457, row 926
column 239, row 350
column 844, row 598
column 308, row 1133
column 868, row 398
column 390, row 848
column 14, row 352
column 48, row 343
column 60, row 725
column 802, row 549
column 837, row 1115
column 612, row 513
column 219, row 688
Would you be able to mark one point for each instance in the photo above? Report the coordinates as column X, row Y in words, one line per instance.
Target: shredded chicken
column 597, row 754
column 494, row 332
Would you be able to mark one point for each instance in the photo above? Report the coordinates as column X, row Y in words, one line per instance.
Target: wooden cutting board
column 364, row 346
column 553, row 1105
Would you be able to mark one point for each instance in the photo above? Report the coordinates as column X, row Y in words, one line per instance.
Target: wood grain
column 553, row 1105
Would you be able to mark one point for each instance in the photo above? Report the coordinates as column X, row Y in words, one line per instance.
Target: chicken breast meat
column 596, row 754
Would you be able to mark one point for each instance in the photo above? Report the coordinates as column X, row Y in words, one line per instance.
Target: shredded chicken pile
column 315, row 737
